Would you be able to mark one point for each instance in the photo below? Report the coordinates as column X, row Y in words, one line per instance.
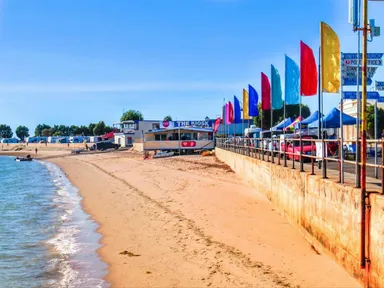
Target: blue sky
column 76, row 62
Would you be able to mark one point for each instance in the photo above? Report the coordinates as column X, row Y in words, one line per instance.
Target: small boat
column 163, row 154
column 23, row 159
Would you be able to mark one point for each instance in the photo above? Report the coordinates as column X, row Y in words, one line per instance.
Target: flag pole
column 271, row 91
column 357, row 149
column 301, row 144
column 341, row 129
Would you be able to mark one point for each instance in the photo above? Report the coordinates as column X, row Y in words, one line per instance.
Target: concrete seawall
column 327, row 213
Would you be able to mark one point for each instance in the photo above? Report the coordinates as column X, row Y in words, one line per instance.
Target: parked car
column 104, row 145
column 294, row 147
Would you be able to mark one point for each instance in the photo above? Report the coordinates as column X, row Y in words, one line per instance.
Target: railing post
column 339, row 162
column 382, row 165
column 285, row 154
column 278, row 151
column 312, row 159
column 301, row 155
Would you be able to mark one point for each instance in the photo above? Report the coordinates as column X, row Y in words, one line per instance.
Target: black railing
column 327, row 153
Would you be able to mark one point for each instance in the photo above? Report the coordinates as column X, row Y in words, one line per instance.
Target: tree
column 108, row 129
column 5, row 131
column 47, row 132
column 99, row 128
column 132, row 115
column 91, row 126
column 371, row 121
column 22, row 132
column 39, row 129
column 168, row 118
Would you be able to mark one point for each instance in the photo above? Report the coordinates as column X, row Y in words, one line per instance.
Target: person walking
column 35, row 150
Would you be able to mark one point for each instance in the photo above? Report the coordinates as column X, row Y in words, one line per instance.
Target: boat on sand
column 163, row 154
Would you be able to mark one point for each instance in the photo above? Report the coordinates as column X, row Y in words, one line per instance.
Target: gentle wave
column 46, row 239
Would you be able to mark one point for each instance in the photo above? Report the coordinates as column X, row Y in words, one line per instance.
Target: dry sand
column 191, row 222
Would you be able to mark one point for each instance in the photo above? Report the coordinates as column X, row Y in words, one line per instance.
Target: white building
column 129, row 132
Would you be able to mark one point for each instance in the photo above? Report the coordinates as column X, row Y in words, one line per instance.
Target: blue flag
column 292, row 82
column 277, row 93
column 253, row 110
column 237, row 110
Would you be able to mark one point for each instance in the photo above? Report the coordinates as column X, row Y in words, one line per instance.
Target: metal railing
column 327, row 153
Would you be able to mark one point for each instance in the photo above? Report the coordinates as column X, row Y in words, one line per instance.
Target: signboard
column 353, row 56
column 370, row 62
column 351, row 71
column 353, row 81
column 379, row 85
column 380, row 100
column 189, row 123
column 351, row 95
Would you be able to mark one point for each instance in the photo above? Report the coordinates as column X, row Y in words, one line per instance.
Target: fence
column 327, row 153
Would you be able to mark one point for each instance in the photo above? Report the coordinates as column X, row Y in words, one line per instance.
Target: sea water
column 46, row 239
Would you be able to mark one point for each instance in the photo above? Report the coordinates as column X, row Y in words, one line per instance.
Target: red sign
column 165, row 123
column 188, row 143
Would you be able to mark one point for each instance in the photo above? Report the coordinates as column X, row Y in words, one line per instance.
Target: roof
column 332, row 120
column 108, row 135
column 181, row 128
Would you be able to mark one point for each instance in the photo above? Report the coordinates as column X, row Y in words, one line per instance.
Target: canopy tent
column 311, row 118
column 108, row 135
column 284, row 123
column 292, row 125
column 332, row 120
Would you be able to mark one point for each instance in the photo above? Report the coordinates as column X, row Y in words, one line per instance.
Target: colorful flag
column 277, row 93
column 231, row 116
column 236, row 103
column 253, row 101
column 265, row 92
column 227, row 114
column 245, row 105
column 308, row 71
column 216, row 126
column 292, row 78
column 330, row 59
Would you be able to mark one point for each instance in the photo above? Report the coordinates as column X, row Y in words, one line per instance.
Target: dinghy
column 163, row 154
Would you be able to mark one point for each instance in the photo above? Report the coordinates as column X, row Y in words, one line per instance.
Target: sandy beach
column 191, row 222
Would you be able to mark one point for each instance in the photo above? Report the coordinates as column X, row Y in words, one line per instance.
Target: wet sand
column 191, row 222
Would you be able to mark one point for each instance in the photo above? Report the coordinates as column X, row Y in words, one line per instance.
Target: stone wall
column 325, row 212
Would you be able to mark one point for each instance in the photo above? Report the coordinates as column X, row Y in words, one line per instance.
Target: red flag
column 231, row 117
column 265, row 92
column 216, row 126
column 308, row 71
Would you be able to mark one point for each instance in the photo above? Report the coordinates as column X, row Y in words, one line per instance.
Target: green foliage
column 5, row 131
column 39, row 129
column 22, row 132
column 168, row 118
column 99, row 128
column 132, row 115
column 371, row 121
column 108, row 129
column 278, row 115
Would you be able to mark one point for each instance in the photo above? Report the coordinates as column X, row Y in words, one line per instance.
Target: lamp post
column 364, row 257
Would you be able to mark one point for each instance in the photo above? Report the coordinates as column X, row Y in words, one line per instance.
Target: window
column 155, row 126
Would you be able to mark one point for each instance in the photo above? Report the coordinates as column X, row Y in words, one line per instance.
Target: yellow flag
column 245, row 105
column 330, row 59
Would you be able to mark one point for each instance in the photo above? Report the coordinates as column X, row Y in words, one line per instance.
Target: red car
column 294, row 147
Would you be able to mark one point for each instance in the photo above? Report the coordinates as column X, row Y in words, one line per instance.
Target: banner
column 245, row 105
column 231, row 115
column 292, row 82
column 330, row 59
column 265, row 92
column 308, row 71
column 237, row 109
column 253, row 101
column 277, row 93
